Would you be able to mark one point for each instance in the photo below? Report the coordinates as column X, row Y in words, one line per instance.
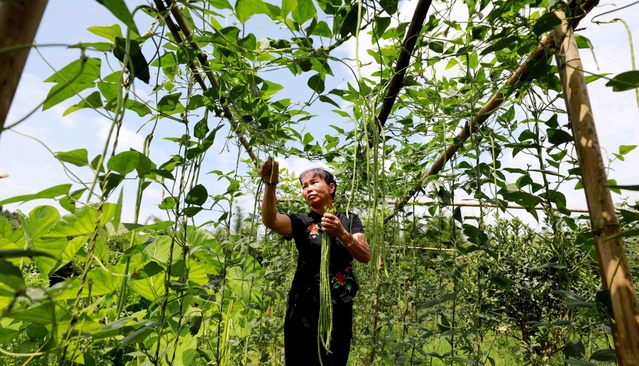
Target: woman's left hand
column 332, row 225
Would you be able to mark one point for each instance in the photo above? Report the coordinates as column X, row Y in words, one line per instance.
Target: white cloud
column 126, row 138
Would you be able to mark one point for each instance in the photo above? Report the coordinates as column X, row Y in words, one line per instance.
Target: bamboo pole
column 613, row 266
column 19, row 22
column 182, row 26
column 396, row 83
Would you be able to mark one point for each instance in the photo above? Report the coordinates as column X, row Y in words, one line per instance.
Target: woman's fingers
column 269, row 168
column 331, row 223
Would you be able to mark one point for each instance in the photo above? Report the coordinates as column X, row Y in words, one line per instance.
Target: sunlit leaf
column 78, row 157
column 93, row 101
column 72, row 79
column 244, row 9
column 625, row 81
column 128, row 161
column 52, row 192
column 151, row 288
column 304, row 11
column 120, row 10
column 109, row 32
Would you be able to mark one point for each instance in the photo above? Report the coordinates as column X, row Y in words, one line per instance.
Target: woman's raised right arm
column 273, row 220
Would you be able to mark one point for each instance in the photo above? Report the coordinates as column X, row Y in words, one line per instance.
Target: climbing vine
column 474, row 117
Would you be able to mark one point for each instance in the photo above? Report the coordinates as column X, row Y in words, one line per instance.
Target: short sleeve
column 354, row 225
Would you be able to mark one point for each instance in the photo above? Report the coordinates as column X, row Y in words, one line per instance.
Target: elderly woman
column 347, row 242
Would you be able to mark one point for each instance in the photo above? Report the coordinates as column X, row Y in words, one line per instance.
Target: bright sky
column 31, row 167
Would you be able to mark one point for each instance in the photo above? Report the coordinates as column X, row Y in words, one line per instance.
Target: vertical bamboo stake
column 19, row 21
column 613, row 266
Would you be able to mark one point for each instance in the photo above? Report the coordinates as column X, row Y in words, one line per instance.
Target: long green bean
column 325, row 323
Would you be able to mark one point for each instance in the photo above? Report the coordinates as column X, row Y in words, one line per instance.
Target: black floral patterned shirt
column 307, row 233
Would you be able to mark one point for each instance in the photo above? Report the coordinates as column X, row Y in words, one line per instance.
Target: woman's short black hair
column 326, row 176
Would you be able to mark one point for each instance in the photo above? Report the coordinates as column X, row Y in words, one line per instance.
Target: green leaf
column 168, row 203
column 120, row 10
column 191, row 211
column 56, row 191
column 316, row 83
column 18, row 253
column 78, row 157
column 151, row 288
column 39, row 314
column 583, row 42
column 137, row 65
column 82, row 222
column 72, row 79
column 558, row 137
column 574, row 349
column 304, row 11
column 244, row 9
column 140, row 334
column 625, row 81
column 170, row 104
column 308, row 138
column 93, row 101
column 625, row 149
column 627, row 188
column 546, row 23
column 604, row 355
column 11, row 275
column 221, row 4
column 390, row 6
column 624, row 234
column 128, row 161
column 197, row 195
column 323, row 30
column 111, row 32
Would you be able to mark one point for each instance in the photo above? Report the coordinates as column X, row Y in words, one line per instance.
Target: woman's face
column 316, row 192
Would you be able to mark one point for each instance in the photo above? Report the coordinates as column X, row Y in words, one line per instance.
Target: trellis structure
column 610, row 251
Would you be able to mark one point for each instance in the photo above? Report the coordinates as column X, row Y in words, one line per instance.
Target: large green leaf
column 82, row 222
column 151, row 288
column 186, row 350
column 78, row 157
column 11, row 276
column 244, row 9
column 128, row 161
column 72, row 79
column 625, row 81
column 109, row 32
column 56, row 191
column 36, row 227
column 160, row 249
column 304, row 11
column 546, row 23
column 105, row 282
column 197, row 195
column 137, row 65
column 93, row 101
column 39, row 314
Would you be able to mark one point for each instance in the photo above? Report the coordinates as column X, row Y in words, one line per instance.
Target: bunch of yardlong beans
column 325, row 324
